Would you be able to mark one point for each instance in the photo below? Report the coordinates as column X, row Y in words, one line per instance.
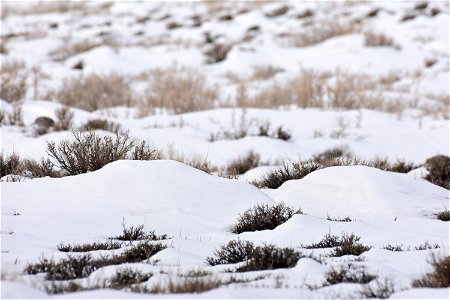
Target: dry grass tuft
column 13, row 80
column 68, row 49
column 95, row 91
column 439, row 277
column 373, row 39
column 179, row 90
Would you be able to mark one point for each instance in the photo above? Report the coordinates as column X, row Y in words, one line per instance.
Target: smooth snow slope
column 197, row 210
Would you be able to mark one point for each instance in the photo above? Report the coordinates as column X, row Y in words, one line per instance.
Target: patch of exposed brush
column 12, row 164
column 264, row 217
column 234, row 251
column 348, row 273
column 87, row 152
column 82, row 266
column 100, row 124
column 328, row 241
column 381, row 289
column 443, row 215
column 339, row 219
column 126, row 278
column 87, row 247
column 427, row 246
column 438, row 170
column 270, row 257
column 439, row 277
column 244, row 163
column 346, row 244
column 138, row 233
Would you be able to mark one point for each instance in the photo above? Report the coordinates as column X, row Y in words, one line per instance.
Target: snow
column 197, row 210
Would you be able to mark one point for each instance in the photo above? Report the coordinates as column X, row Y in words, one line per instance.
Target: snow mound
column 363, row 193
column 166, row 196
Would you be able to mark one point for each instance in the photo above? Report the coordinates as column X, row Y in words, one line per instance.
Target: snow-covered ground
column 197, row 210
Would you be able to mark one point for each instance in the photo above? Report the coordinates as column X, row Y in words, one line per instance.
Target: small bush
column 327, row 157
column 264, row 72
column 439, row 277
column 217, row 52
column 443, row 215
column 88, row 152
column 74, row 267
column 14, row 118
column 396, row 248
column 347, row 273
column 10, row 164
column 427, row 246
column 438, row 170
column 64, row 118
column 137, row 233
column 282, row 134
column 42, row 168
column 349, row 245
column 127, row 277
column 88, row 247
column 179, row 90
column 322, row 30
column 339, row 219
column 277, row 12
column 69, row 49
column 13, row 81
column 264, row 217
column 328, row 241
column 100, row 124
column 269, row 257
column 244, row 163
column 287, row 172
column 95, row 91
column 234, row 251
column 383, row 289
column 373, row 39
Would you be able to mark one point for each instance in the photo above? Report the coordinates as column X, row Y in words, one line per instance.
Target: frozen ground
column 197, row 210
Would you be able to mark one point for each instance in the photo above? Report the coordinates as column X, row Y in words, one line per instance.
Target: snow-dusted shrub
column 69, row 49
column 95, row 91
column 10, row 164
column 101, row 124
column 73, row 267
column 234, row 251
column 373, row 39
column 349, row 245
column 217, row 52
column 87, row 152
column 178, row 89
column 13, row 80
column 288, row 171
column 439, row 277
column 328, row 241
column 443, row 215
column 348, row 273
column 264, row 72
column 382, row 289
column 42, row 168
column 124, row 278
column 64, row 118
column 137, row 233
column 244, row 163
column 13, row 118
column 87, row 247
column 269, row 257
column 264, row 217
column 439, row 170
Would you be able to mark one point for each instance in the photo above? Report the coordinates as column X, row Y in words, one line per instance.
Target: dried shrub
column 270, row 257
column 195, row 161
column 439, row 277
column 234, row 251
column 395, row 248
column 443, row 215
column 137, row 233
column 127, row 277
column 101, row 124
column 10, row 164
column 348, row 273
column 427, row 246
column 68, row 49
column 179, row 90
column 349, row 245
column 279, row 11
column 64, row 118
column 244, row 163
column 185, row 285
column 328, row 241
column 13, row 80
column 322, row 30
column 74, row 267
column 42, row 168
column 383, row 289
column 289, row 171
column 339, row 219
column 217, row 52
column 264, row 217
column 87, row 247
column 327, row 157
column 438, row 170
column 373, row 39
column 264, row 72
column 95, row 91
column 88, row 152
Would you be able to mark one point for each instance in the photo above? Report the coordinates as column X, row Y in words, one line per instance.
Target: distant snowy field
column 259, row 51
